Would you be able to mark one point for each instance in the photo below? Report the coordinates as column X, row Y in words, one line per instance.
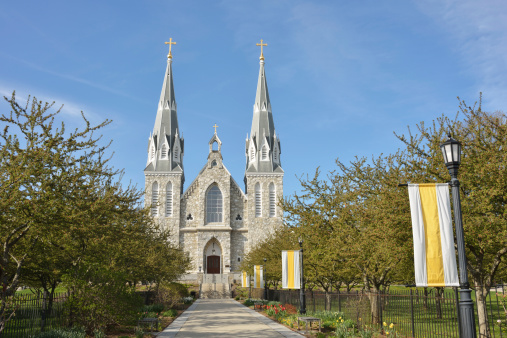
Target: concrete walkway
column 224, row 318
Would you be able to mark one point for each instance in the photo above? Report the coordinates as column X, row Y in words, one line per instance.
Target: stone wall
column 171, row 223
column 260, row 227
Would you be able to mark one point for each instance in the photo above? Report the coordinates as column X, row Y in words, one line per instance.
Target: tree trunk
column 374, row 306
column 439, row 292
column 425, row 298
column 481, row 292
column 328, row 300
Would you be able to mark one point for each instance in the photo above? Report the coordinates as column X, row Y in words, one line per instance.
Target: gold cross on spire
column 215, row 126
column 262, row 45
column 170, row 43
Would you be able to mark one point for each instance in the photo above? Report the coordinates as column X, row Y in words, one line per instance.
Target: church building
column 212, row 218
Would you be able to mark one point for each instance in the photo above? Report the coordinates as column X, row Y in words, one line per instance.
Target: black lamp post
column 302, row 298
column 451, row 149
column 265, row 280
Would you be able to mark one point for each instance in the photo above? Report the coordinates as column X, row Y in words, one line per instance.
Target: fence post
column 379, row 304
column 457, row 310
column 313, row 298
column 412, row 313
column 339, row 302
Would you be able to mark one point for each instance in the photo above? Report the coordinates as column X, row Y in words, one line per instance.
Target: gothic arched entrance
column 213, row 257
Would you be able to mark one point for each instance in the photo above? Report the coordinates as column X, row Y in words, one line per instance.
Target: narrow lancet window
column 154, row 199
column 163, row 152
column 265, row 153
column 258, row 200
column 169, row 200
column 272, row 200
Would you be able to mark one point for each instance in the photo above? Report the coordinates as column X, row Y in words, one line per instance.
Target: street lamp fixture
column 302, row 298
column 265, row 280
column 451, row 149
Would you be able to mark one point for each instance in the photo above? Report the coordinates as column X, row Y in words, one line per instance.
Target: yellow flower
column 387, row 333
column 359, row 318
column 391, row 326
column 385, row 324
column 342, row 320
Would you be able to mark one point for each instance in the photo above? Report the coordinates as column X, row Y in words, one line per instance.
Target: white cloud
column 70, row 109
column 477, row 30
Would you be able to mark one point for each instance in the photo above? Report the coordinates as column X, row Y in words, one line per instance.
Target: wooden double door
column 213, row 264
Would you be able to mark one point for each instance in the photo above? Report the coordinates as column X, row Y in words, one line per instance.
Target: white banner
column 291, row 274
column 434, row 254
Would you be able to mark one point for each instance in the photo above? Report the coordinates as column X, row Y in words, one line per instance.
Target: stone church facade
column 212, row 219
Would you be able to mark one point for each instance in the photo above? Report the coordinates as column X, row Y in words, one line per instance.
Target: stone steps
column 215, row 290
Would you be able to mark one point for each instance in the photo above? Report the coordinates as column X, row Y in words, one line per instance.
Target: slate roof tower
column 165, row 146
column 263, row 173
column 263, row 145
column 164, row 175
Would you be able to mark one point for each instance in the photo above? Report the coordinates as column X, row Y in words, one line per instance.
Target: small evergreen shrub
column 76, row 332
column 157, row 308
column 170, row 313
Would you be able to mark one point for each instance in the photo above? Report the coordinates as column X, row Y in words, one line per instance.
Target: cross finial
column 215, row 126
column 170, row 43
column 262, row 45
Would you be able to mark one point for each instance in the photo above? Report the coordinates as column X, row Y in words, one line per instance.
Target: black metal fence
column 32, row 312
column 415, row 312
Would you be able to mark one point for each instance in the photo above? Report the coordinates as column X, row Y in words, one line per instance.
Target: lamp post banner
column 290, row 269
column 258, row 276
column 434, row 254
column 245, row 279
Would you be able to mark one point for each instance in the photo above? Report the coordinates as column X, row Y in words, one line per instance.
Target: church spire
column 165, row 148
column 263, row 146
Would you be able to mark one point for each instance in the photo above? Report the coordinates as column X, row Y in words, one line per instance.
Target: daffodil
column 387, row 333
column 391, row 326
column 385, row 324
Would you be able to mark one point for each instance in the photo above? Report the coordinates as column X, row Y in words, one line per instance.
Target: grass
column 397, row 310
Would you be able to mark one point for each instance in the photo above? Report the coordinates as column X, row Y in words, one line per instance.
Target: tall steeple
column 165, row 146
column 263, row 145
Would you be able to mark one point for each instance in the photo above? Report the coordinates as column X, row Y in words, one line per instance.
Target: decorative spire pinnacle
column 170, row 43
column 215, row 126
column 262, row 45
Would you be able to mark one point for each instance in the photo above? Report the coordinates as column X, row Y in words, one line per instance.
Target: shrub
column 63, row 333
column 97, row 306
column 170, row 313
column 139, row 332
column 157, row 308
column 252, row 301
column 170, row 294
column 99, row 334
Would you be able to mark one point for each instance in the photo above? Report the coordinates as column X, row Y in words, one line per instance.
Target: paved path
column 224, row 318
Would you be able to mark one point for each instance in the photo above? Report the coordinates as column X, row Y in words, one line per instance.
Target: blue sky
column 342, row 75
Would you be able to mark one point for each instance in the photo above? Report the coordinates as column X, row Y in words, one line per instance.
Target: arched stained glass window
column 154, row 199
column 169, row 200
column 272, row 200
column 258, row 200
column 214, row 205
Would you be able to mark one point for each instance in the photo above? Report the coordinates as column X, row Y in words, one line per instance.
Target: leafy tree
column 64, row 217
column 271, row 248
column 483, row 186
